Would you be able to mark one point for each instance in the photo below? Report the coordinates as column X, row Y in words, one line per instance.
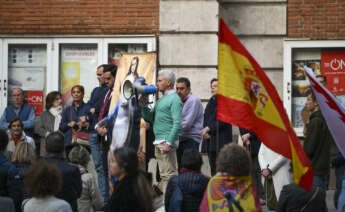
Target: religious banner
column 139, row 65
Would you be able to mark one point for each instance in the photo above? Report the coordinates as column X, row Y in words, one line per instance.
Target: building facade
column 47, row 45
column 40, row 40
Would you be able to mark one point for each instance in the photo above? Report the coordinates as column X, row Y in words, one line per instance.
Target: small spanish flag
column 248, row 99
column 224, row 192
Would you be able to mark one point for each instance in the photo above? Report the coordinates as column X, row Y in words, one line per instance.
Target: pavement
column 205, row 169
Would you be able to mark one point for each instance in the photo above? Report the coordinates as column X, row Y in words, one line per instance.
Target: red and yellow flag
column 247, row 98
column 240, row 188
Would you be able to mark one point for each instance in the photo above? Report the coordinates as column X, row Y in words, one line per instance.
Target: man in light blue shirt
column 192, row 119
column 21, row 110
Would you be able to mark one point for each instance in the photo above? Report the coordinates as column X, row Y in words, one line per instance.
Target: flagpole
column 217, row 122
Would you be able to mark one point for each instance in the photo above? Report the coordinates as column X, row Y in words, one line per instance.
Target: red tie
column 107, row 98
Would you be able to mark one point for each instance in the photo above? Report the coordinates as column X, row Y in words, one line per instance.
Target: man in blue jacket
column 21, row 110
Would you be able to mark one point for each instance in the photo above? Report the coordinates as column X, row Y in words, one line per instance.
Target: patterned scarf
column 239, row 190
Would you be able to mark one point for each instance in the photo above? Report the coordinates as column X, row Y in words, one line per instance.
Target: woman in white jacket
column 276, row 165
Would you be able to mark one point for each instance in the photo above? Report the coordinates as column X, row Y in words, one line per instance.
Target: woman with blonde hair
column 22, row 158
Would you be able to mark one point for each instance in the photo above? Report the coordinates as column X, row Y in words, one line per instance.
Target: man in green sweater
column 166, row 119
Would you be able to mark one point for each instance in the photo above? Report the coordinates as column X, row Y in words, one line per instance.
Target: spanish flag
column 224, row 192
column 247, row 98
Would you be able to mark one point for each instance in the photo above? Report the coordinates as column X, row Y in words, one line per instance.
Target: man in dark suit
column 71, row 178
column 105, row 131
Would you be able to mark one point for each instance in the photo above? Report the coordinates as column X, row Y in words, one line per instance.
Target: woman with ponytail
column 132, row 191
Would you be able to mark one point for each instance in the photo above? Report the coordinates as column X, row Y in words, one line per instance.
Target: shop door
column 24, row 66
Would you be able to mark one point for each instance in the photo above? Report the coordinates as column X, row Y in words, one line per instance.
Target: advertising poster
column 36, row 100
column 146, row 63
column 300, row 85
column 70, row 77
column 333, row 67
column 26, row 78
column 78, row 67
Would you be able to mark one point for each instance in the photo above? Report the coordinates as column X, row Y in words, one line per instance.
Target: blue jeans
column 183, row 145
column 339, row 176
column 98, row 162
column 321, row 182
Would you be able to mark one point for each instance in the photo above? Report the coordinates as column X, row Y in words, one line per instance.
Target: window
column 323, row 57
column 42, row 65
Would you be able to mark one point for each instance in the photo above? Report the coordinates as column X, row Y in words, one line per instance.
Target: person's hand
column 92, row 110
column 141, row 154
column 71, row 124
column 80, row 124
column 266, row 173
column 143, row 100
column 204, row 131
column 246, row 139
column 166, row 148
column 246, row 136
column 102, row 131
column 82, row 118
column 207, row 136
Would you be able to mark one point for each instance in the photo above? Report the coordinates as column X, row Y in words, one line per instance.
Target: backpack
column 175, row 203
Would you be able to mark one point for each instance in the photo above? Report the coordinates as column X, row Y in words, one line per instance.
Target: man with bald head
column 21, row 110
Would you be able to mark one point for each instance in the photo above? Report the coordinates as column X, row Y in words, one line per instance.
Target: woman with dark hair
column 232, row 186
column 74, row 117
column 90, row 199
column 43, row 181
column 22, row 158
column 49, row 120
column 132, row 191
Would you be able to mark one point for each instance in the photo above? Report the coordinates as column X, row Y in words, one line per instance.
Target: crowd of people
column 44, row 161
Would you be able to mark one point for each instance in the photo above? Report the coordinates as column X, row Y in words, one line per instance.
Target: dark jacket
column 10, row 185
column 317, row 144
column 66, row 118
column 255, row 143
column 224, row 129
column 124, row 198
column 96, row 101
column 193, row 187
column 22, row 167
column 293, row 197
column 71, row 181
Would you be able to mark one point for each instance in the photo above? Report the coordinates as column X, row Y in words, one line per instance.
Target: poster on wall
column 300, row 85
column 78, row 67
column 142, row 65
column 35, row 99
column 333, row 67
column 27, row 56
column 26, row 78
